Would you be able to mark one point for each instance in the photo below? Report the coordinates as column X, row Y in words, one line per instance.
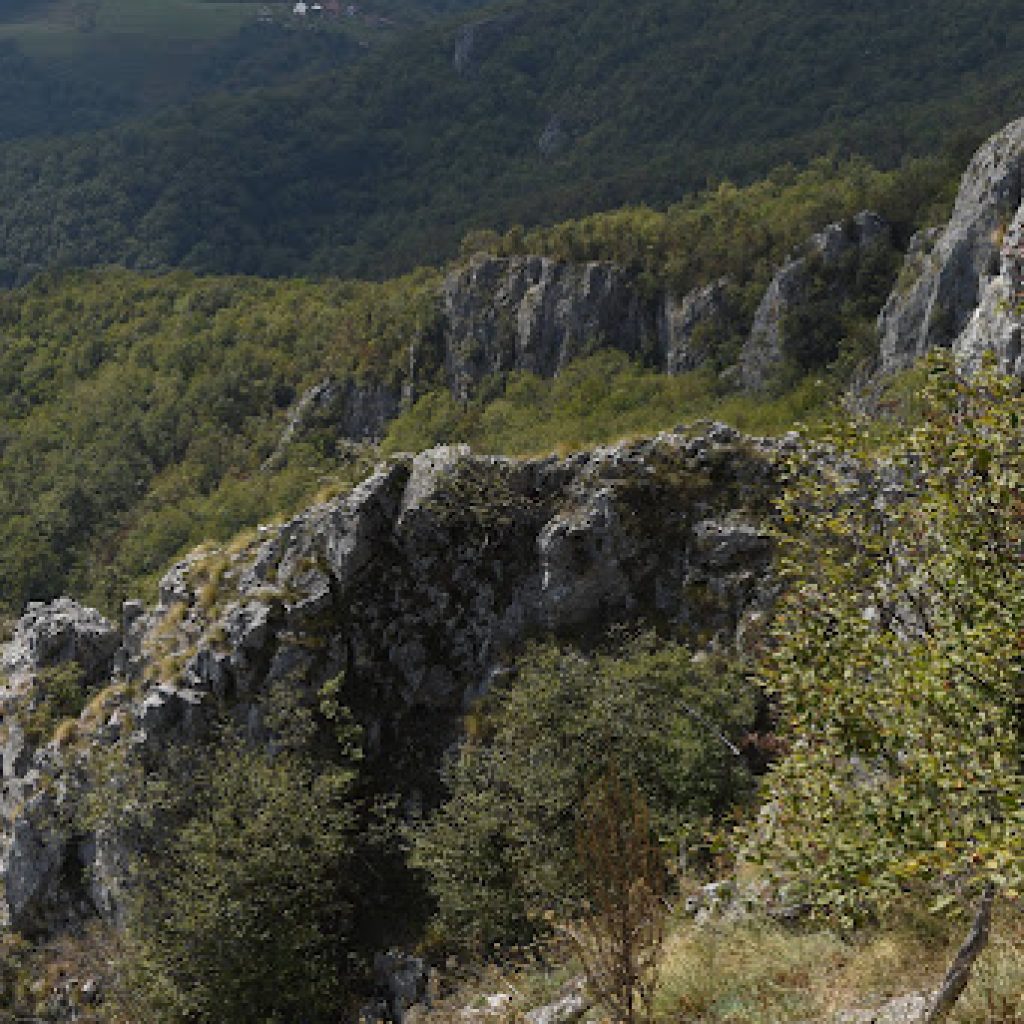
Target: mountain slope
column 539, row 111
column 196, row 407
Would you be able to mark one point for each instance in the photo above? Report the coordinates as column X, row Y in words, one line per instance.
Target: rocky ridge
column 535, row 314
column 414, row 592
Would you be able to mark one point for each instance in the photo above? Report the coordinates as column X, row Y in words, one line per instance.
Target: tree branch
column 959, row 972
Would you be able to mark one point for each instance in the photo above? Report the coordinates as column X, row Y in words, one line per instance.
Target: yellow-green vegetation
column 756, row 971
column 66, row 733
column 173, row 392
column 895, row 661
column 63, row 28
column 99, row 706
column 600, row 399
column 208, row 575
column 761, row 973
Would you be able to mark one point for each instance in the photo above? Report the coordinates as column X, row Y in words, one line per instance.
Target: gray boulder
column 62, row 631
column 401, row 981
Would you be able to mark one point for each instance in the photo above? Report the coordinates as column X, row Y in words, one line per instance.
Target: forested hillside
column 70, row 66
column 485, row 533
column 536, row 112
column 140, row 411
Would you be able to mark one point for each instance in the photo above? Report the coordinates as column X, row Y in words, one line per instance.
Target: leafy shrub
column 245, row 914
column 896, row 659
column 501, row 849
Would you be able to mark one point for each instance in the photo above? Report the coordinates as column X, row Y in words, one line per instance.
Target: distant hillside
column 547, row 109
column 70, row 66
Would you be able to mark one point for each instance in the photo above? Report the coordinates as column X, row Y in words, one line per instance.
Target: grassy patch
column 762, row 974
column 598, row 400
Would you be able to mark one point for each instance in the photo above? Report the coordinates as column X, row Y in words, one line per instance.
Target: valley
column 511, row 512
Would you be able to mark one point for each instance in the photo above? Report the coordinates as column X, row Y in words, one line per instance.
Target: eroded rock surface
column 948, row 276
column 996, row 324
column 691, row 325
column 538, row 314
column 764, row 352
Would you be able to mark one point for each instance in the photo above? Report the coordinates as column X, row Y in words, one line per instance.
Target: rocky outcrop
column 691, row 325
column 948, row 276
column 357, row 410
column 413, row 593
column 53, row 634
column 764, row 352
column 47, row 638
column 996, row 325
column 537, row 314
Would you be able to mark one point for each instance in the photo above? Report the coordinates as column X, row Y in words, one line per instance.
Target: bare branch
column 959, row 972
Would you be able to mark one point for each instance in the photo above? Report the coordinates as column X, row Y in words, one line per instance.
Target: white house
column 300, row 8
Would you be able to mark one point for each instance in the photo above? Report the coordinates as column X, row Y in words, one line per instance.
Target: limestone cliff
column 537, row 314
column 416, row 591
column 953, row 282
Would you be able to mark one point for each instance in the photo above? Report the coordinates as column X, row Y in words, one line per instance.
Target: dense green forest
column 541, row 111
column 138, row 412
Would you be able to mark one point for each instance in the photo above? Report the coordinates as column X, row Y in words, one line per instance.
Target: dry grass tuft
column 764, row 974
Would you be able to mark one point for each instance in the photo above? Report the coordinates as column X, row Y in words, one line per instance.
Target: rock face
column 948, row 276
column 538, row 314
column 414, row 592
column 996, row 324
column 763, row 354
column 475, row 42
column 689, row 324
